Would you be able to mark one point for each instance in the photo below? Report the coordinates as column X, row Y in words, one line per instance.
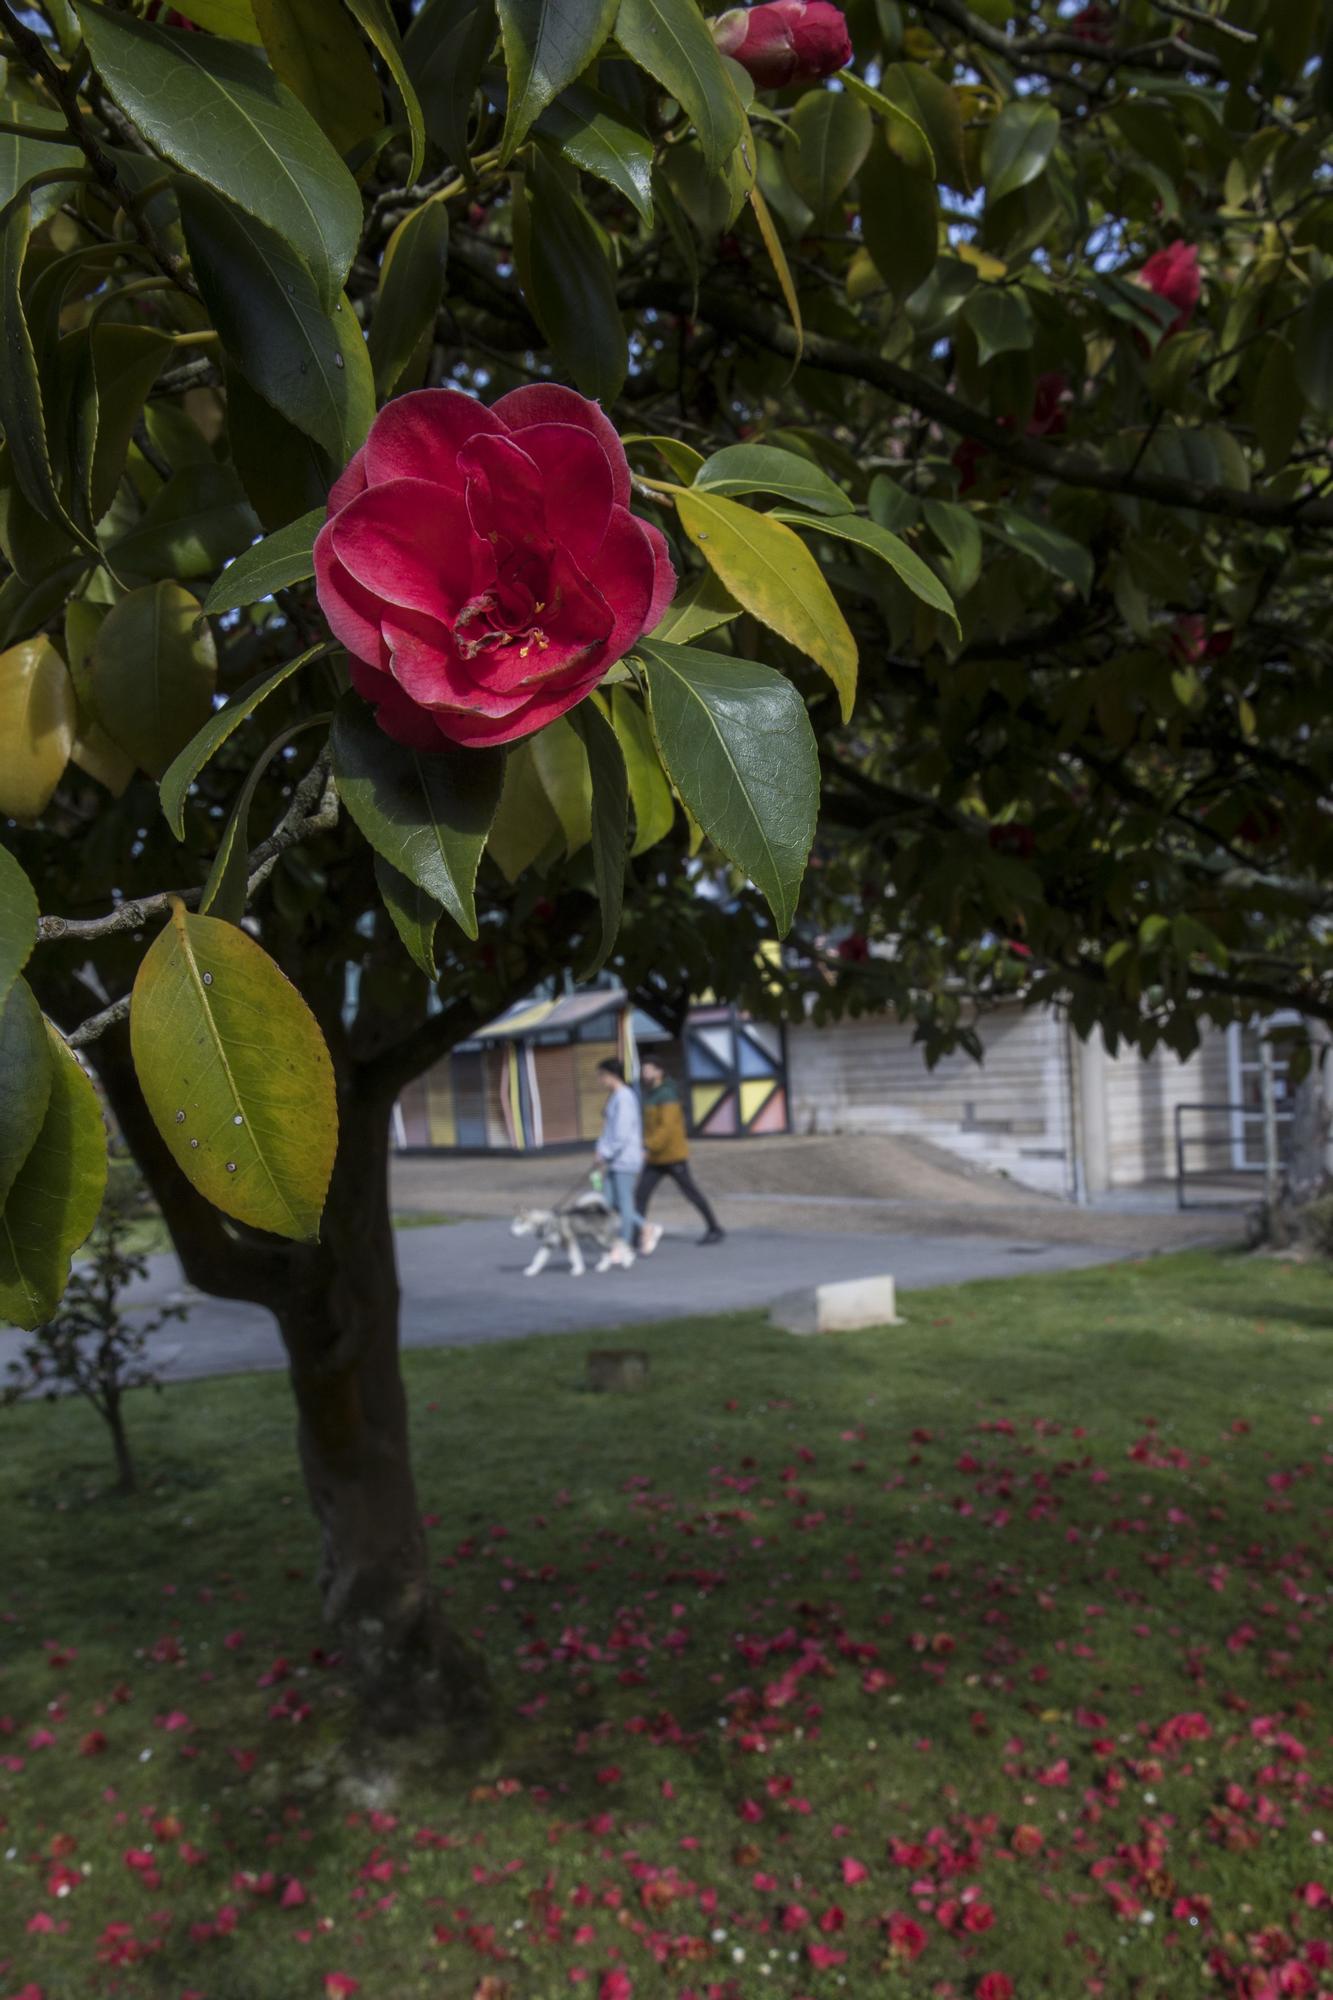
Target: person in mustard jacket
column 666, row 1149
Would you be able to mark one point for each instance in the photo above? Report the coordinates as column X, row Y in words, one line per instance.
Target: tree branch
column 1069, row 467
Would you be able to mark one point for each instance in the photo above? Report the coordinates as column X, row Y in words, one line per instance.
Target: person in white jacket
column 620, row 1150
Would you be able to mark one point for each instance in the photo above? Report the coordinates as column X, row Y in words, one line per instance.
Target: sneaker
column 650, row 1238
column 713, row 1235
column 622, row 1257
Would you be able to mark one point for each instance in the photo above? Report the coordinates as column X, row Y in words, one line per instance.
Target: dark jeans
column 679, row 1172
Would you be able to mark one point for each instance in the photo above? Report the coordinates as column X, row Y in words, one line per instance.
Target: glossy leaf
column 610, row 821
column 282, row 558
column 235, row 1074
column 934, row 107
column 316, row 51
column 312, row 365
column 650, row 794
column 562, row 765
column 56, row 1195
column 777, row 257
column 221, row 724
column 22, row 416
column 668, row 38
column 547, row 44
column 284, row 473
column 900, row 221
column 445, row 49
column 414, row 914
column 920, row 579
column 574, row 288
column 377, row 24
column 18, row 921
column 766, row 468
column 234, row 18
column 25, row 1080
column 190, row 528
column 737, row 743
column 595, row 133
column 1059, row 554
column 21, row 158
column 226, row 889
column 699, row 606
column 427, row 812
column 1017, row 146
column 771, row 573
column 125, row 362
column 1001, row 320
column 525, row 824
column 1312, row 347
column 94, row 751
column 38, row 719
column 411, row 288
column 154, row 668
column 829, row 135
column 216, row 109
column 903, row 136
column 955, row 528
column 683, row 459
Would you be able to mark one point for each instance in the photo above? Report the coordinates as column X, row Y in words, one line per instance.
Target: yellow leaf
column 233, row 18
column 987, row 267
column 777, row 257
column 769, row 571
column 38, row 716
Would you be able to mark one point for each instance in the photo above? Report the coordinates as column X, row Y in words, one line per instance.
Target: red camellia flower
column 785, row 41
column 1173, row 274
column 482, row 567
column 995, row 1986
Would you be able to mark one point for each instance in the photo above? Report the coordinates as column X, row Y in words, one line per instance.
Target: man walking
column 668, row 1152
column 620, row 1150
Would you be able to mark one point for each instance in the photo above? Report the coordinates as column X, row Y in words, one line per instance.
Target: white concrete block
column 840, row 1307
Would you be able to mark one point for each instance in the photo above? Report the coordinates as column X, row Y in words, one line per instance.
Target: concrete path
column 464, row 1285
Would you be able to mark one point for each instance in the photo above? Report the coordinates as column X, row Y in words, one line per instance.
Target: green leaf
column 934, row 108
column 1279, row 405
column 683, row 459
column 765, row 468
column 597, row 134
column 829, row 137
column 712, row 201
column 21, row 158
column 955, row 528
column 445, row 49
column 154, row 667
column 411, row 288
column 235, row 1075
column 1001, row 320
column 22, row 416
column 920, row 579
column 699, row 606
column 18, row 921
column 194, row 524
column 216, row 109
column 25, row 1080
column 56, row 1195
column 574, row 288
column 228, row 882
column 525, row 825
column 547, row 43
column 610, row 821
column 282, row 558
column 903, row 136
column 221, row 724
column 317, row 53
column 562, row 765
column 415, row 915
column 900, row 221
column 38, row 719
column 1313, row 350
column 1017, row 146
column 650, row 794
column 426, row 811
column 312, row 365
column 738, row 746
column 668, row 38
column 377, row 24
column 1059, row 554
column 125, row 362
column 771, row 573
column 285, row 474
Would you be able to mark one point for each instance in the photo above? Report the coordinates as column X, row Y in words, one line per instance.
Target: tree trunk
column 1307, row 1165
column 339, row 1323
column 127, row 1480
column 336, row 1304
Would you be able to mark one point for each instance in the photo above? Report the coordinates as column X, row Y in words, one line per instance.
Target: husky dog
column 587, row 1225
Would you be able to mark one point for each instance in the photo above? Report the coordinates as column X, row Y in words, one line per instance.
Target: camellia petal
column 419, row 436
column 396, row 540
column 503, row 490
column 664, row 575
column 396, row 713
column 626, row 574
column 549, row 403
column 352, row 611
column 350, row 481
column 577, row 484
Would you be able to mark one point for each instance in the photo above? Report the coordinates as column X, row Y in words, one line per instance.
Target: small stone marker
column 623, row 1369
column 842, row 1307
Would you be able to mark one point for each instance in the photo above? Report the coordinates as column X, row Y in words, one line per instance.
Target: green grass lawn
column 988, row 1654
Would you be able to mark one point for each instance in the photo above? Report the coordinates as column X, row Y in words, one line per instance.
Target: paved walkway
column 464, row 1285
